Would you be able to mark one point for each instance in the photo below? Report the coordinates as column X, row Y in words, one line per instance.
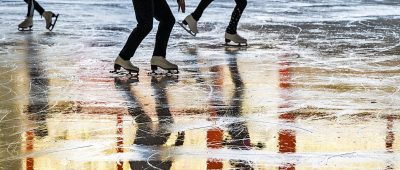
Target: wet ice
column 318, row 87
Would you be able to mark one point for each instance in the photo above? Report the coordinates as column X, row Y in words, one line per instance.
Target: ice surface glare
column 318, row 87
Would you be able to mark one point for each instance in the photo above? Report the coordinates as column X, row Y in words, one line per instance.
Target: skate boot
column 48, row 16
column 159, row 61
column 190, row 25
column 26, row 25
column 126, row 64
column 236, row 38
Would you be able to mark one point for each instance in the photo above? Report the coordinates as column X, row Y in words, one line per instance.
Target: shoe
column 236, row 38
column 126, row 64
column 160, row 61
column 27, row 23
column 48, row 17
column 192, row 23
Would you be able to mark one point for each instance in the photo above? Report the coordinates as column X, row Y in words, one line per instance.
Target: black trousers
column 32, row 4
column 235, row 17
column 145, row 10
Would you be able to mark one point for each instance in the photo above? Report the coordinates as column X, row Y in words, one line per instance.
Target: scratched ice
column 318, row 87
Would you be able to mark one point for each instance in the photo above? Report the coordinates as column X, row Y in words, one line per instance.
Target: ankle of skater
column 230, row 31
column 124, row 57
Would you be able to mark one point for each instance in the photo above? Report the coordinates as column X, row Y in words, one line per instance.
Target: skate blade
column 54, row 23
column 25, row 29
column 187, row 29
column 123, row 73
column 159, row 74
column 233, row 44
column 155, row 74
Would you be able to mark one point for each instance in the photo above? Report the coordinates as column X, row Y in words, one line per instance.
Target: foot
column 27, row 23
column 48, row 17
column 126, row 64
column 236, row 38
column 160, row 61
column 192, row 23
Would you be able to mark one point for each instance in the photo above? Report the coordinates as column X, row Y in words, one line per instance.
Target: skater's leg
column 200, row 9
column 36, row 5
column 144, row 16
column 30, row 8
column 236, row 14
column 162, row 13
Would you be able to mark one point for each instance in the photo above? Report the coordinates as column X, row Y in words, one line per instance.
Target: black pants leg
column 36, row 5
column 145, row 10
column 236, row 14
column 144, row 15
column 200, row 9
column 163, row 13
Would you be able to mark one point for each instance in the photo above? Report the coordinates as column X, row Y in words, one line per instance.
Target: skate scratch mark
column 37, row 154
column 211, row 91
column 9, row 91
column 4, row 117
column 298, row 34
column 148, row 160
column 395, row 35
column 339, row 155
column 10, row 70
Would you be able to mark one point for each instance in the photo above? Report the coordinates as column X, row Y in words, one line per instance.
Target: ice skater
column 27, row 24
column 190, row 22
column 145, row 10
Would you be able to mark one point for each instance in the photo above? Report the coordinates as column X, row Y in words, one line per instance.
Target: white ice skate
column 159, row 61
column 236, row 38
column 126, row 64
column 26, row 25
column 190, row 25
column 48, row 16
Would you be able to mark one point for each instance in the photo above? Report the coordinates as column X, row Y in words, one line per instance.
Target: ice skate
column 126, row 64
column 26, row 25
column 159, row 61
column 190, row 25
column 236, row 38
column 48, row 16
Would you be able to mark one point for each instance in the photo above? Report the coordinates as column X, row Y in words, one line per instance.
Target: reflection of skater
column 145, row 10
column 148, row 133
column 151, row 135
column 230, row 34
column 238, row 137
column 28, row 22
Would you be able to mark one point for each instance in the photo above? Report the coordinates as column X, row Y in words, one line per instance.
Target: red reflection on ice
column 29, row 147
column 286, row 137
column 120, row 139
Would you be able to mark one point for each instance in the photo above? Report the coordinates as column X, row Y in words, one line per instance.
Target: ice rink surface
column 317, row 88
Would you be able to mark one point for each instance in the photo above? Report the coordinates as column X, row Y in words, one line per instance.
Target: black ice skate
column 48, row 16
column 190, row 25
column 235, row 38
column 126, row 64
column 159, row 61
column 26, row 25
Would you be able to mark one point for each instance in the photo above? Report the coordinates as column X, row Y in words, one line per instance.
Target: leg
column 30, row 8
column 200, row 9
column 36, row 5
column 236, row 14
column 144, row 16
column 162, row 13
